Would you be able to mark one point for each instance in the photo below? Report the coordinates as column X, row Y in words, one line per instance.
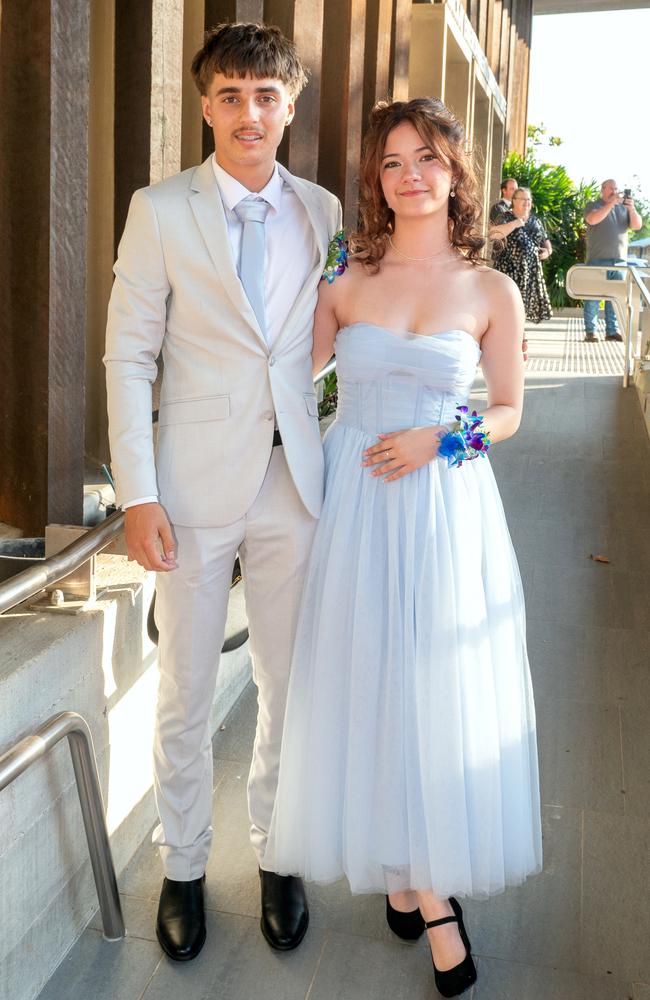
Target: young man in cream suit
column 219, row 267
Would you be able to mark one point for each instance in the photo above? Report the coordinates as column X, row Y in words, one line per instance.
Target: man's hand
column 149, row 537
column 544, row 253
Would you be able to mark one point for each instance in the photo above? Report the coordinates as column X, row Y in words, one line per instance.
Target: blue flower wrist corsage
column 337, row 257
column 464, row 440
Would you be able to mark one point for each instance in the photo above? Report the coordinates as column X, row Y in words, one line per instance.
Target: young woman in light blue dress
column 409, row 759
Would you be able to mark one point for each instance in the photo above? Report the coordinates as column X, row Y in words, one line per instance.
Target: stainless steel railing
column 643, row 288
column 30, row 749
column 627, row 294
column 31, row 581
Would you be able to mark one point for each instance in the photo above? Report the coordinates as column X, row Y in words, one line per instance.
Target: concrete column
column 497, row 155
column 458, row 68
column 101, row 236
column 481, row 136
column 166, row 86
column 428, row 52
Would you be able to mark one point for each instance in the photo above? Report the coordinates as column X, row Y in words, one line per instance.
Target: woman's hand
column 402, row 452
column 544, row 252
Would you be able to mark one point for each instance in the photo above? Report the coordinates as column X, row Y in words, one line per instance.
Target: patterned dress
column 518, row 257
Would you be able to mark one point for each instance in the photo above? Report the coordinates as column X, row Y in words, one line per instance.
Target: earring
column 209, row 121
column 452, row 193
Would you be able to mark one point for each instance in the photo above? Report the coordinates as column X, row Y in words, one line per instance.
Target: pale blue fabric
column 409, row 755
column 252, row 212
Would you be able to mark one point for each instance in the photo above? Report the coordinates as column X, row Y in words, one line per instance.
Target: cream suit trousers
column 273, row 540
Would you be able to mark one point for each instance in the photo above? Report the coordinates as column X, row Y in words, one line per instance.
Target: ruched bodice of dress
column 389, row 380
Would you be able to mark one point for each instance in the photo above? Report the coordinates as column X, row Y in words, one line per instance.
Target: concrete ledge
column 99, row 663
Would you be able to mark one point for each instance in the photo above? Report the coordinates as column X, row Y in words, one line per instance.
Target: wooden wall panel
column 377, row 62
column 132, row 122
column 401, row 42
column 504, row 47
column 217, row 11
column 483, row 18
column 302, row 21
column 342, row 102
column 493, row 41
column 24, row 262
column 70, row 32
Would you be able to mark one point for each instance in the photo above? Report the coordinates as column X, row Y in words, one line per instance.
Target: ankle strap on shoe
column 443, row 920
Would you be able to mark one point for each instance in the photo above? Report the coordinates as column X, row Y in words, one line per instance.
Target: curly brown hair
column 443, row 133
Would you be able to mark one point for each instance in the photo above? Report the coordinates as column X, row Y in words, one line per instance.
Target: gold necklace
column 406, row 256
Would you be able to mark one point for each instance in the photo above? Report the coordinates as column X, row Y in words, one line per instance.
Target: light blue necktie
column 251, row 212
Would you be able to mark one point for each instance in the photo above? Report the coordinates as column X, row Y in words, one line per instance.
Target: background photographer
column 608, row 220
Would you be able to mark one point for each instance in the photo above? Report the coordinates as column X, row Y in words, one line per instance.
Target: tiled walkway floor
column 575, row 482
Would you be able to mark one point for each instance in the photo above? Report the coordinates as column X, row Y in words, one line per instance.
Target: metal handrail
column 32, row 748
column 31, row 581
column 627, row 311
column 643, row 288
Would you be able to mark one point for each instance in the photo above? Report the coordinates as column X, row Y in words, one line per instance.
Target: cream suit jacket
column 176, row 290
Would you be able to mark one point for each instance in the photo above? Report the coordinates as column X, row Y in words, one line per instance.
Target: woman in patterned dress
column 521, row 246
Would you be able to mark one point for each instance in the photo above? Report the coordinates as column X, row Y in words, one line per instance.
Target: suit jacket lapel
column 321, row 237
column 314, row 211
column 207, row 206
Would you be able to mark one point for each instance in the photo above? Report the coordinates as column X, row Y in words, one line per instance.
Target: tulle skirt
column 409, row 755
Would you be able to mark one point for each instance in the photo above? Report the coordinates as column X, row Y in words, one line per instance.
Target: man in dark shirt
column 508, row 187
column 608, row 220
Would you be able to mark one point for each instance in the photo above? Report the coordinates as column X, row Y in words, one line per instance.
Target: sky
column 590, row 85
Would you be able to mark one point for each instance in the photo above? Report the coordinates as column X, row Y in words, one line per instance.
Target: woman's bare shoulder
column 495, row 285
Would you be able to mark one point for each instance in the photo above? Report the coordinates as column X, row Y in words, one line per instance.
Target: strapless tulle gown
column 409, row 755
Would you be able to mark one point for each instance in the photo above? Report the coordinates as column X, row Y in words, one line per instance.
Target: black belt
column 277, row 440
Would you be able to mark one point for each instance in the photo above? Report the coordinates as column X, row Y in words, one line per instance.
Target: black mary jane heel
column 454, row 981
column 408, row 926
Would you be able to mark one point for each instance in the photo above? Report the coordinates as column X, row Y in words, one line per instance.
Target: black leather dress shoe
column 285, row 916
column 180, row 927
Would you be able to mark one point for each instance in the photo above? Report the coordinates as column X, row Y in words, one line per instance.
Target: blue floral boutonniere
column 464, row 440
column 337, row 257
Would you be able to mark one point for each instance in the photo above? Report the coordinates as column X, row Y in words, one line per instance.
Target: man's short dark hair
column 240, row 49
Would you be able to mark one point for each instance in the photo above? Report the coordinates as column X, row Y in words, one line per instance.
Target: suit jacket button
column 268, row 415
column 271, row 361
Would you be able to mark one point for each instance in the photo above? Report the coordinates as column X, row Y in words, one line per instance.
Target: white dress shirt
column 289, row 252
